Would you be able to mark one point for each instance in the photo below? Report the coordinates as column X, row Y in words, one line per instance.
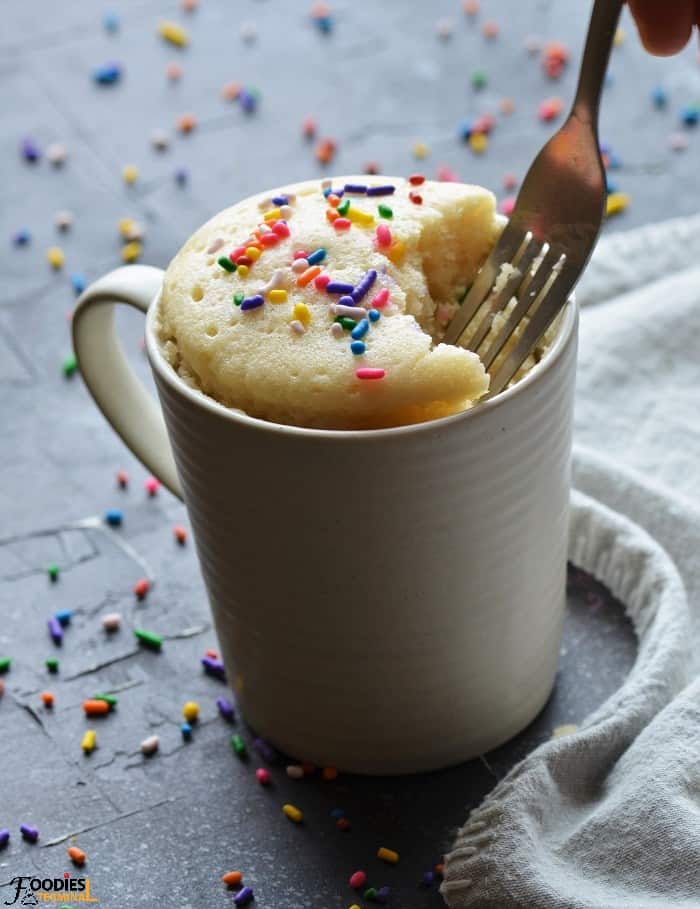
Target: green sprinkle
column 238, row 299
column 226, row 263
column 479, row 79
column 370, row 893
column 5, row 663
column 148, row 638
column 52, row 664
column 348, row 324
column 70, row 366
column 385, row 211
column 238, row 746
column 53, row 571
column 342, row 209
column 109, row 698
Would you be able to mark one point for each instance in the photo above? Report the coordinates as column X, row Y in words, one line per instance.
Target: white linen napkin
column 609, row 817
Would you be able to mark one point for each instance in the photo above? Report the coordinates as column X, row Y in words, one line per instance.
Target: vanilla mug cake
column 384, row 551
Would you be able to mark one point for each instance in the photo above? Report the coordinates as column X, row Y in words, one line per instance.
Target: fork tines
column 520, row 269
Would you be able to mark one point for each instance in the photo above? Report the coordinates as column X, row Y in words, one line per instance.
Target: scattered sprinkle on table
column 96, row 708
column 4, row 838
column 76, row 855
column 616, row 203
column 387, row 855
column 5, row 663
column 173, row 33
column 293, row 813
column 109, row 699
column 89, row 741
column 180, row 534
column 29, row 833
column 55, row 630
column 358, row 879
column 243, row 896
column 114, row 517
column 151, row 485
column 150, row 745
column 141, row 588
column 263, row 776
column 239, row 746
column 69, row 366
column 131, row 252
column 107, row 74
column 47, row 699
column 63, row 220
column 148, row 638
column 226, row 710
column 186, row 731
column 55, row 257
column 232, row 878
column 112, row 621
column 51, row 664
column 130, row 174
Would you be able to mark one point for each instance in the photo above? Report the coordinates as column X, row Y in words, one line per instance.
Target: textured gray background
column 162, row 830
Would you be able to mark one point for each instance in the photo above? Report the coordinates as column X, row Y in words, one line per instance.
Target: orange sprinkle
column 329, row 774
column 96, row 708
column 232, row 878
column 47, row 698
column 77, row 856
column 306, row 276
column 186, row 123
column 331, row 214
column 180, row 534
column 231, row 91
column 333, row 200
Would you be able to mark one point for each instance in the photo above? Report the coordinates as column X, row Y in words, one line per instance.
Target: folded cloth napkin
column 609, row 816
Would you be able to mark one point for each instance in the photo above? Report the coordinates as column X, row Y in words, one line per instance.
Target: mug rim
column 167, row 374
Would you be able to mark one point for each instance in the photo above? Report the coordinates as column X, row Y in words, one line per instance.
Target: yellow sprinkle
column 617, row 202
column 293, row 813
column 125, row 225
column 388, row 855
column 357, row 216
column 302, row 313
column 132, row 251
column 55, row 257
column 396, row 251
column 242, row 270
column 619, row 37
column 172, row 32
column 89, row 741
column 420, row 150
column 253, row 253
column 191, row 711
column 273, row 214
column 566, row 729
column 130, row 173
column 478, row 143
column 277, row 296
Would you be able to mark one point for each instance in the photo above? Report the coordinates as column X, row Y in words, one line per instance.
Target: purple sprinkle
column 4, row 838
column 181, row 176
column 427, row 879
column 21, row 237
column 248, row 101
column 30, row 150
column 380, row 190
column 346, row 301
column 383, row 894
column 226, row 709
column 356, row 188
column 339, row 287
column 266, row 751
column 280, row 200
column 253, row 302
column 243, row 896
column 29, row 833
column 359, row 292
column 214, row 667
column 55, row 630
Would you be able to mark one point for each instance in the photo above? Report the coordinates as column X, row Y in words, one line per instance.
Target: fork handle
column 599, row 40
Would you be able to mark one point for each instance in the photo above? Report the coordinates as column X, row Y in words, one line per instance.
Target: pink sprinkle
column 309, row 127
column 212, row 654
column 152, row 485
column 271, row 239
column 263, row 776
column 301, row 254
column 507, row 205
column 484, row 124
column 238, row 251
column 445, row 174
column 381, row 299
column 368, row 372
column 358, row 879
column 510, row 181
column 342, row 224
column 321, row 282
column 383, row 236
column 550, row 109
column 281, row 229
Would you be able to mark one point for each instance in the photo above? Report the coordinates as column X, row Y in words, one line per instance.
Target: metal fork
column 552, row 230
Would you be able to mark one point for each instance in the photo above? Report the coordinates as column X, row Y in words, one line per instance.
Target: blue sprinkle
column 63, row 616
column 337, row 813
column 324, row 24
column 380, row 190
column 614, row 161
column 77, row 279
column 107, row 74
column 339, row 287
column 346, row 301
column 186, row 731
column 280, row 200
column 317, row 256
column 357, row 188
column 374, row 315
column 114, row 517
column 253, row 302
column 110, row 21
column 659, row 96
column 360, row 330
column 690, row 116
column 21, row 237
column 181, row 176
column 357, row 347
column 465, row 130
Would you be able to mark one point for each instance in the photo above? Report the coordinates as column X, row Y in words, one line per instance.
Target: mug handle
column 121, row 397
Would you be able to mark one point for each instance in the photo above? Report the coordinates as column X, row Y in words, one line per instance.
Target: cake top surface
column 320, row 304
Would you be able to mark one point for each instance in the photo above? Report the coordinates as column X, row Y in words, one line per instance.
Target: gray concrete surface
column 161, row 831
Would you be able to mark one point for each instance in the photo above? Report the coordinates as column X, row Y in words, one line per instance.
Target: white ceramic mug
column 386, row 601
